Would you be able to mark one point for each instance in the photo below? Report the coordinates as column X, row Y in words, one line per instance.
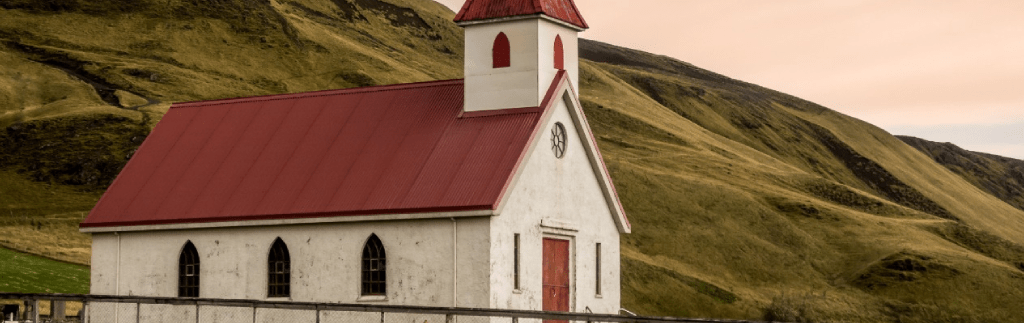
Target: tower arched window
column 502, row 51
column 374, row 267
column 188, row 271
column 279, row 270
column 559, row 54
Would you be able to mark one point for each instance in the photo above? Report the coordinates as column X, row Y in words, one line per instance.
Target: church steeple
column 514, row 49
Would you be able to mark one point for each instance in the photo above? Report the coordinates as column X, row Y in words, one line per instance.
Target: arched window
column 559, row 54
column 279, row 270
column 502, row 51
column 374, row 267
column 188, row 271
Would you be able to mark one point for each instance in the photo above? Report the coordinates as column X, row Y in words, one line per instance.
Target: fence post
column 450, row 318
column 381, row 317
column 58, row 310
column 85, row 311
column 35, row 310
column 197, row 312
column 138, row 312
column 25, row 308
column 318, row 314
column 253, row 312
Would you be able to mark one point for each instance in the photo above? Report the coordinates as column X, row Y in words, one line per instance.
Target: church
column 482, row 192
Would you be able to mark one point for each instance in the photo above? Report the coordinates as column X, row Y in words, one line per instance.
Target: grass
column 746, row 203
column 24, row 273
column 43, row 219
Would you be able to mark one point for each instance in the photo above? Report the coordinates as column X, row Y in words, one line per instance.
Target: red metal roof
column 378, row 150
column 564, row 10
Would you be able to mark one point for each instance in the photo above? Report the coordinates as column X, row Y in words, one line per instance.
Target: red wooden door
column 556, row 276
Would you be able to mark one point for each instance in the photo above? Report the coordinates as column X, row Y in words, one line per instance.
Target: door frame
column 551, row 234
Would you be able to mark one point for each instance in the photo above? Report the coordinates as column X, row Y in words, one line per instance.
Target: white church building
column 487, row 192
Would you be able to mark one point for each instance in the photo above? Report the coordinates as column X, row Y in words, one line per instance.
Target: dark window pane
column 188, row 271
column 374, row 273
column 278, row 275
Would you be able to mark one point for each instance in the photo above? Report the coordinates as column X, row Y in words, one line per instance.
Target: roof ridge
column 312, row 94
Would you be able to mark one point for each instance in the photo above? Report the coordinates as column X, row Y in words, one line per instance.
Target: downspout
column 455, row 263
column 117, row 275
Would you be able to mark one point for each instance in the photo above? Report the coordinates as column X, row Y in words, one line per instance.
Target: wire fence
column 59, row 308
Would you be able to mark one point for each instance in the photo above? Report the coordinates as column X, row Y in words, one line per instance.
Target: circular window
column 558, row 140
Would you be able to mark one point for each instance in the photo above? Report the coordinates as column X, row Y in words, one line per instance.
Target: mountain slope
column 745, row 202
column 1000, row 176
column 766, row 190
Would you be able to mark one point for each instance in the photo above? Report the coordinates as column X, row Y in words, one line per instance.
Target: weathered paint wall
column 325, row 261
column 559, row 198
column 526, row 81
column 546, row 43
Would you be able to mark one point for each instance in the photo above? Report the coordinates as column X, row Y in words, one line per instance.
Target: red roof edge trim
column 579, row 15
column 272, row 97
column 462, row 12
column 491, row 113
column 545, row 107
column 290, row 216
column 526, row 16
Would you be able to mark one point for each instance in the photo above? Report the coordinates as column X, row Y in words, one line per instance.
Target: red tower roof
column 398, row 149
column 564, row 10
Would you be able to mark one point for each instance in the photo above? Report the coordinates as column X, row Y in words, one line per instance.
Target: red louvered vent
column 502, row 51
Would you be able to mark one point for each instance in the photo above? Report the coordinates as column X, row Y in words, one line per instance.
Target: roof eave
column 467, row 23
column 127, row 227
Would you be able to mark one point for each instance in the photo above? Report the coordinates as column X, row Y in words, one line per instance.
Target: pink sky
column 950, row 71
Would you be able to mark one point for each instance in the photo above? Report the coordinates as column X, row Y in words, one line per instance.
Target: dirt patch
column 902, row 268
column 354, row 79
column 877, row 177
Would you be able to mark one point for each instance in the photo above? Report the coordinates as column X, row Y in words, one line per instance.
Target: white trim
column 372, row 298
column 259, row 223
column 555, row 224
column 522, row 17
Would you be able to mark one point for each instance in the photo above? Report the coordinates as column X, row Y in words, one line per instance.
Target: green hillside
column 24, row 273
column 745, row 202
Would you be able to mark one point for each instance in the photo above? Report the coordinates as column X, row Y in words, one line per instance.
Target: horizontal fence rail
column 134, row 313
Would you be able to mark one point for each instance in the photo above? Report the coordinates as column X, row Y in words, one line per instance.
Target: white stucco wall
column 559, row 198
column 526, row 81
column 325, row 261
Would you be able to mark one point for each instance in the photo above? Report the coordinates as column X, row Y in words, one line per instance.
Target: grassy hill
column 1000, row 176
column 745, row 202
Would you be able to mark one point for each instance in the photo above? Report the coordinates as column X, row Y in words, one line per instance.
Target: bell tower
column 514, row 49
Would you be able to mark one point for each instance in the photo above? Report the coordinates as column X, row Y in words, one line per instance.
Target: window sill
column 517, row 291
column 279, row 299
column 598, row 296
column 372, row 298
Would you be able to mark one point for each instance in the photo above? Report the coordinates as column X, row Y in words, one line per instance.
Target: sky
column 942, row 70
